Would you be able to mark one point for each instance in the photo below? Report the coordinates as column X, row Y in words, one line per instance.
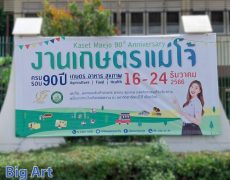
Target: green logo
column 57, row 97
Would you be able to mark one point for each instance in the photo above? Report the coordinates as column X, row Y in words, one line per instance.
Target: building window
column 31, row 14
column 31, row 7
column 217, row 21
column 123, row 22
column 154, row 23
column 114, row 19
column 172, row 22
column 198, row 13
column 229, row 22
column 137, row 23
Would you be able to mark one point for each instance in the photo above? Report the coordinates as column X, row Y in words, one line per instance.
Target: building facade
column 152, row 17
column 142, row 16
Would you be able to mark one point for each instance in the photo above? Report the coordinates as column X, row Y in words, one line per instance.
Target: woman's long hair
column 200, row 95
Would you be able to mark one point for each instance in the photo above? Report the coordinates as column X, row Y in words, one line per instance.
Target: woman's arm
column 177, row 106
column 197, row 110
column 196, row 120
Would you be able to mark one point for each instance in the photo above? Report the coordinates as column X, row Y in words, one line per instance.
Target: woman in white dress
column 192, row 110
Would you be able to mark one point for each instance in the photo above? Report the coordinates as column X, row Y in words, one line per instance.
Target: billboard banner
column 131, row 85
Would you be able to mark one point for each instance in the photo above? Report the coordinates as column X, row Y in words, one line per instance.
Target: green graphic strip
column 88, row 122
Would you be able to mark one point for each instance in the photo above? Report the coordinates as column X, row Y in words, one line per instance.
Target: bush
column 122, row 163
column 204, row 166
column 5, row 67
column 116, row 139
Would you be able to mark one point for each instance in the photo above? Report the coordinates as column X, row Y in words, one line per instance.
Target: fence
column 3, row 90
column 223, row 59
column 6, row 49
column 223, row 56
column 6, row 46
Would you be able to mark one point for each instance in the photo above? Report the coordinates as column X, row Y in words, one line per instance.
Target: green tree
column 213, row 109
column 92, row 20
column 5, row 67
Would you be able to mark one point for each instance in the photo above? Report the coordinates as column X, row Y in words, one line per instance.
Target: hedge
column 96, row 162
column 5, row 67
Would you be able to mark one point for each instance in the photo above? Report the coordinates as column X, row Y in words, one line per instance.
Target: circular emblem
column 98, row 131
column 57, row 97
column 150, row 130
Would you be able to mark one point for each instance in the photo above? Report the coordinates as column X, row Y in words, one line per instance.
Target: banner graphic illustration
column 134, row 85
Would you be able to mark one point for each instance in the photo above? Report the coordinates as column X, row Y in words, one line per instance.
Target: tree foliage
column 91, row 20
column 5, row 67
